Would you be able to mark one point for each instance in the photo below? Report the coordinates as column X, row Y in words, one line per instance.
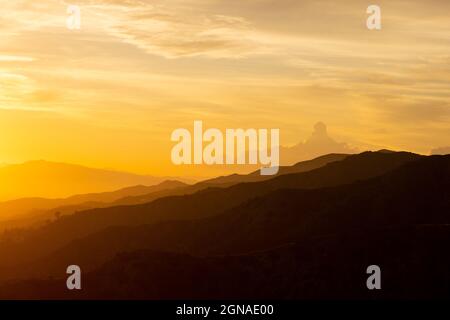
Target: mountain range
column 307, row 234
column 25, row 212
column 45, row 179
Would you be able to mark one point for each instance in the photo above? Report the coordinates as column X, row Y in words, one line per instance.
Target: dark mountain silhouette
column 256, row 176
column 368, row 168
column 28, row 211
column 207, row 203
column 230, row 180
column 289, row 243
column 413, row 261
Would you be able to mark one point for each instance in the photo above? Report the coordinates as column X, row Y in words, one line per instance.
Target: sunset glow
column 110, row 94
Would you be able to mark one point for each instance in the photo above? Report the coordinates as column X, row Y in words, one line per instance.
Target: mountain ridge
column 15, row 208
column 46, row 179
column 203, row 204
column 283, row 245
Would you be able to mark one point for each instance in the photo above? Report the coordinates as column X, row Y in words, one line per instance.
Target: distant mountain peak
column 47, row 179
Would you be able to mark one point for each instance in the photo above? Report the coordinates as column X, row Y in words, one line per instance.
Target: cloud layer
column 143, row 68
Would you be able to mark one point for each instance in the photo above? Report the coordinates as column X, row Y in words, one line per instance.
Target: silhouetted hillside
column 255, row 176
column 284, row 216
column 228, row 181
column 28, row 211
column 251, row 220
column 413, row 260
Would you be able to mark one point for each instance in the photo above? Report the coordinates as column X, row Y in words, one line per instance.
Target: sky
column 110, row 94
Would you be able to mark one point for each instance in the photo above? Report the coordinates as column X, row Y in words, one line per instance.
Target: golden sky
column 110, row 94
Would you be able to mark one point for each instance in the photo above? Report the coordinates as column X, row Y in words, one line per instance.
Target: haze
column 109, row 95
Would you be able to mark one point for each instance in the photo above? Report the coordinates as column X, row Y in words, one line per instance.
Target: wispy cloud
column 7, row 58
column 171, row 29
column 285, row 61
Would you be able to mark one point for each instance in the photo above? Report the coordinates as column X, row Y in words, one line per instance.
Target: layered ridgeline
column 33, row 212
column 44, row 179
column 289, row 236
column 27, row 212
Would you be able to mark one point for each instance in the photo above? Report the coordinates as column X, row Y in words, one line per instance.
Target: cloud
column 13, row 86
column 6, row 58
column 414, row 111
column 174, row 34
column 269, row 60
column 318, row 144
column 440, row 151
column 167, row 28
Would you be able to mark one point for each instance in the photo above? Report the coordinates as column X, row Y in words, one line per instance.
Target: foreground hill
column 413, row 261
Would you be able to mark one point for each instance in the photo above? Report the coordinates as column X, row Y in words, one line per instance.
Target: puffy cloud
column 319, row 143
